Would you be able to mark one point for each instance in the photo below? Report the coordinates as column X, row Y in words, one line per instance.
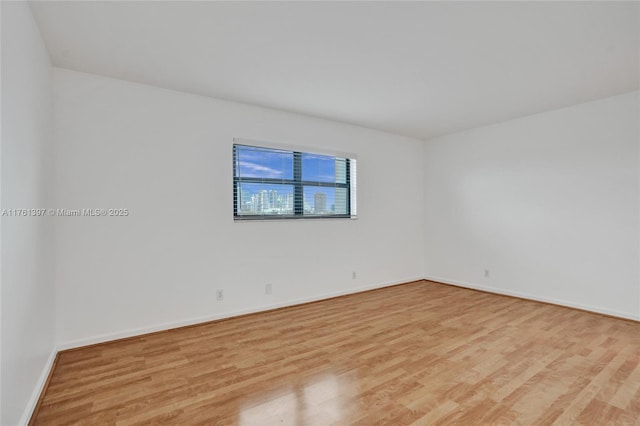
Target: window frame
column 296, row 182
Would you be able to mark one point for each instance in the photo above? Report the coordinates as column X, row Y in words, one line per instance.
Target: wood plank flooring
column 420, row 353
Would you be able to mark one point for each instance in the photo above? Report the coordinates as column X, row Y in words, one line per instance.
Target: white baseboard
column 625, row 315
column 192, row 321
column 37, row 391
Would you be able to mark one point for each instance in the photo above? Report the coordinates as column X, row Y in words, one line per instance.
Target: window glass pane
column 323, row 168
column 263, row 163
column 320, row 200
column 290, row 183
column 264, row 199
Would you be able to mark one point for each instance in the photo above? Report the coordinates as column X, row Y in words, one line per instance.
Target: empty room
column 320, row 213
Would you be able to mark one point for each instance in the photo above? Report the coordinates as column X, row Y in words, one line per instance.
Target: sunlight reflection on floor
column 318, row 401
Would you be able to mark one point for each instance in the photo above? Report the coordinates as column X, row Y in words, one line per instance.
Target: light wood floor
column 420, row 353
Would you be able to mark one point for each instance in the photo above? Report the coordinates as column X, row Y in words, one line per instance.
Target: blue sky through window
column 271, row 198
column 259, row 163
column 318, row 168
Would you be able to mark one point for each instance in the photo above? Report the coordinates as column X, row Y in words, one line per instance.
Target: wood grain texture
column 420, row 353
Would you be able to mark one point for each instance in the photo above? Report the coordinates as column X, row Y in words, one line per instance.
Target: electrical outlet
column 219, row 295
column 353, row 275
column 267, row 289
column 486, row 273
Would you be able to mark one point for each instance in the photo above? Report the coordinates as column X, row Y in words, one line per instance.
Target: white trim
column 288, row 147
column 625, row 315
column 37, row 390
column 102, row 338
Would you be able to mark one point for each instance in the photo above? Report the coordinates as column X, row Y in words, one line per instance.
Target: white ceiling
column 412, row 68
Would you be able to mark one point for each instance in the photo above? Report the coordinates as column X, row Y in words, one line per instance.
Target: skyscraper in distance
column 319, row 202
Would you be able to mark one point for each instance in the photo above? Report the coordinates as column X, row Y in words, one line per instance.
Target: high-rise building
column 261, row 202
column 289, row 203
column 244, row 200
column 273, row 199
column 319, row 202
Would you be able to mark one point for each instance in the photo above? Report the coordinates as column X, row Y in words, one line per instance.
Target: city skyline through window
column 272, row 182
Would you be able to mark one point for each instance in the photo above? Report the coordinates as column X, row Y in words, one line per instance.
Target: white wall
column 27, row 264
column 166, row 156
column 548, row 203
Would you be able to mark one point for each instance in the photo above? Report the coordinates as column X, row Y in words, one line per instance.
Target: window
column 271, row 183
